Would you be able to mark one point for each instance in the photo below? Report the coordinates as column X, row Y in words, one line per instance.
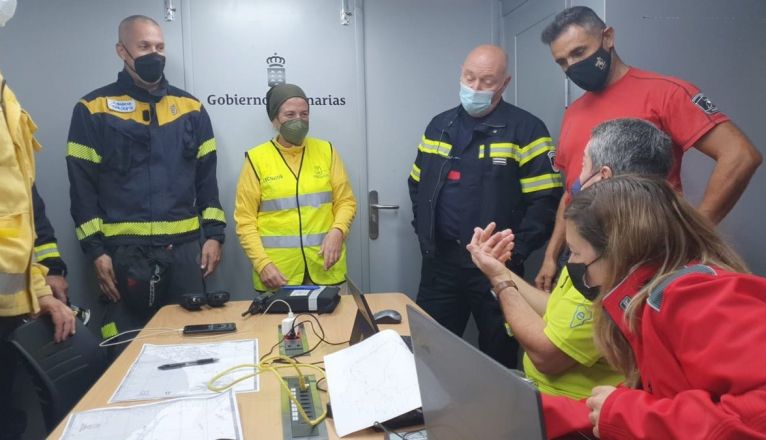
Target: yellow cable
column 268, row 365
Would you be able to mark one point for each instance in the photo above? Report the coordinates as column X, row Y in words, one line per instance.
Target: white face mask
column 7, row 9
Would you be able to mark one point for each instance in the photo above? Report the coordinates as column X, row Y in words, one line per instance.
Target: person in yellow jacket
column 23, row 291
column 294, row 204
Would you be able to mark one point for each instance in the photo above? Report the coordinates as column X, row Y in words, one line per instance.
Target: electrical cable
column 161, row 331
column 268, row 365
column 290, row 309
column 391, row 433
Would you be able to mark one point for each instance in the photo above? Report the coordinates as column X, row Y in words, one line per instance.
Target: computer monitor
column 364, row 323
column 465, row 393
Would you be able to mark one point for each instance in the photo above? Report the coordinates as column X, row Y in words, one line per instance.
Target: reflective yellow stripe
column 522, row 155
column 292, row 241
column 214, row 214
column 82, row 152
column 12, row 283
column 536, row 148
column 151, row 228
column 89, row 228
column 540, row 183
column 45, row 251
column 504, row 149
column 430, row 146
column 415, row 173
column 206, row 148
column 315, row 200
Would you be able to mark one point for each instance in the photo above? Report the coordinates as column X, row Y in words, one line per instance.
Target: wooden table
column 260, row 411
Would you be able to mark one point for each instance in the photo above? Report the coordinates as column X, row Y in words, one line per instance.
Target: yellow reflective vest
column 296, row 212
column 21, row 280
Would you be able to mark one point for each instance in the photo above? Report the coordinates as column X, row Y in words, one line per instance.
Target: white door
column 234, row 51
column 413, row 52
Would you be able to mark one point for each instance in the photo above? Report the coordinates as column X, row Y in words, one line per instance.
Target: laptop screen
column 364, row 323
column 465, row 393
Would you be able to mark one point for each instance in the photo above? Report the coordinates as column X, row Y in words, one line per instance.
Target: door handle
column 374, row 207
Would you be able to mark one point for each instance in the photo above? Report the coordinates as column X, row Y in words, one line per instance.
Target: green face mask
column 294, row 131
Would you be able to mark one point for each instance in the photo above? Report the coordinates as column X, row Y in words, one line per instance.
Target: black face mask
column 577, row 275
column 149, row 67
column 590, row 74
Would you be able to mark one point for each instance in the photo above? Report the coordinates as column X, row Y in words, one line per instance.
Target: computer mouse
column 388, row 316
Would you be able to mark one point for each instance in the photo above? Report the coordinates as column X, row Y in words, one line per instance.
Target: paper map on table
column 145, row 381
column 188, row 418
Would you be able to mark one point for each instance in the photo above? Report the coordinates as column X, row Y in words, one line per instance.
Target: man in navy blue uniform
column 480, row 162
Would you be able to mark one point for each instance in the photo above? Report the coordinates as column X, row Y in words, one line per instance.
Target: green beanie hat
column 277, row 95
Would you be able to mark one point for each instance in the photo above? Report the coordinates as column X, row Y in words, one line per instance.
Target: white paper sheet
column 188, row 418
column 145, row 381
column 374, row 380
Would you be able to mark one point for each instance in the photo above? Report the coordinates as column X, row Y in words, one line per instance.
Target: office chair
column 63, row 372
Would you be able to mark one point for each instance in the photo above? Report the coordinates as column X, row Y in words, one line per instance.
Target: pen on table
column 187, row 364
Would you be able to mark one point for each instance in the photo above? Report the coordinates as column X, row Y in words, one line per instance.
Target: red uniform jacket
column 701, row 353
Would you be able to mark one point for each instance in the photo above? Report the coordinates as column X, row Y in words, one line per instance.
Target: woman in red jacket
column 676, row 312
column 680, row 316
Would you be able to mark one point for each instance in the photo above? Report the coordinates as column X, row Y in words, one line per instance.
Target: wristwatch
column 497, row 288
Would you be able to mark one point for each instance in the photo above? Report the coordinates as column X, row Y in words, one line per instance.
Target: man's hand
column 59, row 286
column 272, row 277
column 595, row 402
column 331, row 246
column 491, row 251
column 61, row 314
column 544, row 278
column 211, row 256
column 106, row 278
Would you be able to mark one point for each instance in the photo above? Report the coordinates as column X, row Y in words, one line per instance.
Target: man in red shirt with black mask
column 584, row 46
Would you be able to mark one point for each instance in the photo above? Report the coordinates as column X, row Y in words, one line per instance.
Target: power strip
column 294, row 346
column 293, row 425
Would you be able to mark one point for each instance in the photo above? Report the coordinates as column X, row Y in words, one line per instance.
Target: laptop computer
column 364, row 323
column 465, row 393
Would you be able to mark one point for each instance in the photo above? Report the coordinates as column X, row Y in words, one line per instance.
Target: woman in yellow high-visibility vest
column 294, row 203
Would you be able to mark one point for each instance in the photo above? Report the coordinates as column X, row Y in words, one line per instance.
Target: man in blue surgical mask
column 482, row 161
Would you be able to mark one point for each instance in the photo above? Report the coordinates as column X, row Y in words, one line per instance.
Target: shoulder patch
column 581, row 315
column 658, row 293
column 704, row 103
column 121, row 105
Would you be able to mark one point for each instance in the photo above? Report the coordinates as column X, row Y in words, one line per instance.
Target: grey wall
column 52, row 53
column 716, row 45
column 55, row 52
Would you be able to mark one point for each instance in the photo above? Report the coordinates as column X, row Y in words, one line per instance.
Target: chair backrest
column 61, row 372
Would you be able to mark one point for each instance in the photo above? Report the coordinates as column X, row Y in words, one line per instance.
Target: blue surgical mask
column 476, row 103
column 577, row 185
